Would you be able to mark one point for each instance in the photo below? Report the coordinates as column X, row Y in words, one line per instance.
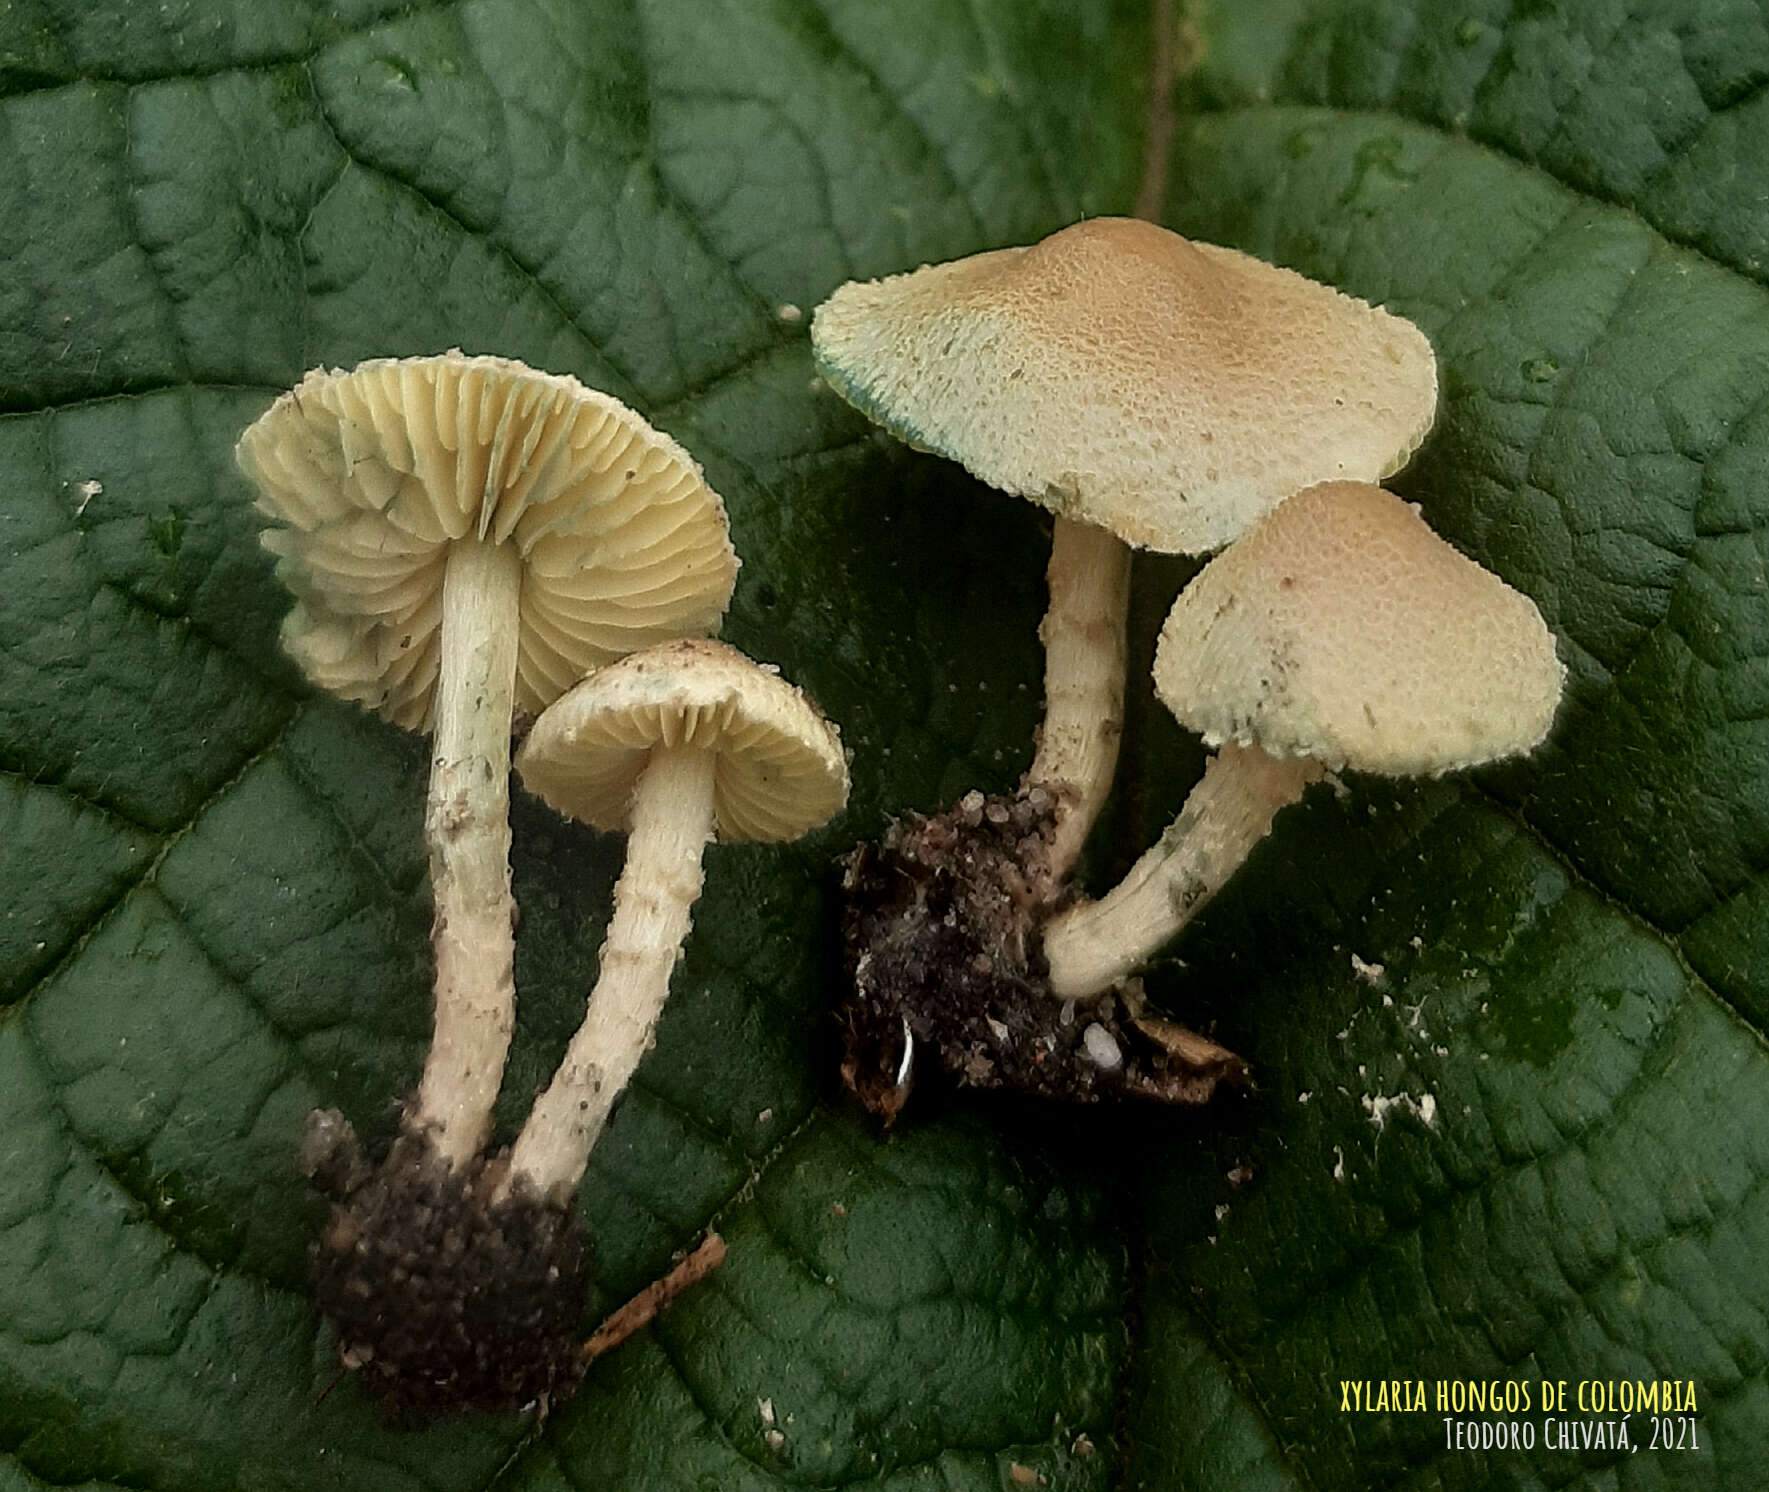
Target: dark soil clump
column 439, row 1299
column 945, row 972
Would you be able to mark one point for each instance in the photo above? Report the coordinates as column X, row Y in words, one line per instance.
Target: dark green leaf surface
column 215, row 908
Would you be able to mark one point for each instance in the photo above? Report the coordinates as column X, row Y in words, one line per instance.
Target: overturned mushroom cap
column 377, row 471
column 1341, row 627
column 1126, row 377
column 780, row 773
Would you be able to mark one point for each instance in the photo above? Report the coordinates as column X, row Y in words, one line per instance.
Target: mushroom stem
column 1090, row 947
column 467, row 826
column 671, row 824
column 1084, row 660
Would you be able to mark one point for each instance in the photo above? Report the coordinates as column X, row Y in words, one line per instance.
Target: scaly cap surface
column 1121, row 375
column 1342, row 628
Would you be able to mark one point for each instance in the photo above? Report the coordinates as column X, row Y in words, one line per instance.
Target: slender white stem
column 1084, row 662
column 467, row 826
column 1092, row 946
column 671, row 823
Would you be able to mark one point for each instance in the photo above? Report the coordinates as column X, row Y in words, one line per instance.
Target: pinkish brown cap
column 1123, row 376
column 1342, row 628
column 372, row 474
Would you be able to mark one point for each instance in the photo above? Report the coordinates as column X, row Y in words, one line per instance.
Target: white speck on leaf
column 1379, row 1106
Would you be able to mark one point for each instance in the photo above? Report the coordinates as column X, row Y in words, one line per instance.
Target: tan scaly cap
column 1342, row 628
column 377, row 470
column 1123, row 376
column 781, row 771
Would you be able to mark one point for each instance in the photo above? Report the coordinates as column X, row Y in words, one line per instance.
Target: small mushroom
column 465, row 536
column 1341, row 632
column 1149, row 391
column 674, row 744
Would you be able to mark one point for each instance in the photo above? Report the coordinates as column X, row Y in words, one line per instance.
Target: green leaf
column 215, row 907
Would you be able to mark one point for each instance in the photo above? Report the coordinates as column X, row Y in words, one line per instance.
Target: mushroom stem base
column 670, row 825
column 440, row 1297
column 940, row 941
column 1090, row 947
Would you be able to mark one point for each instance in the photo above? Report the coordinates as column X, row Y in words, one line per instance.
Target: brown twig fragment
column 649, row 1303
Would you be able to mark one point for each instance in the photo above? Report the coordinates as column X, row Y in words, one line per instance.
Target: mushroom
column 1149, row 391
column 674, row 744
column 1340, row 632
column 464, row 537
